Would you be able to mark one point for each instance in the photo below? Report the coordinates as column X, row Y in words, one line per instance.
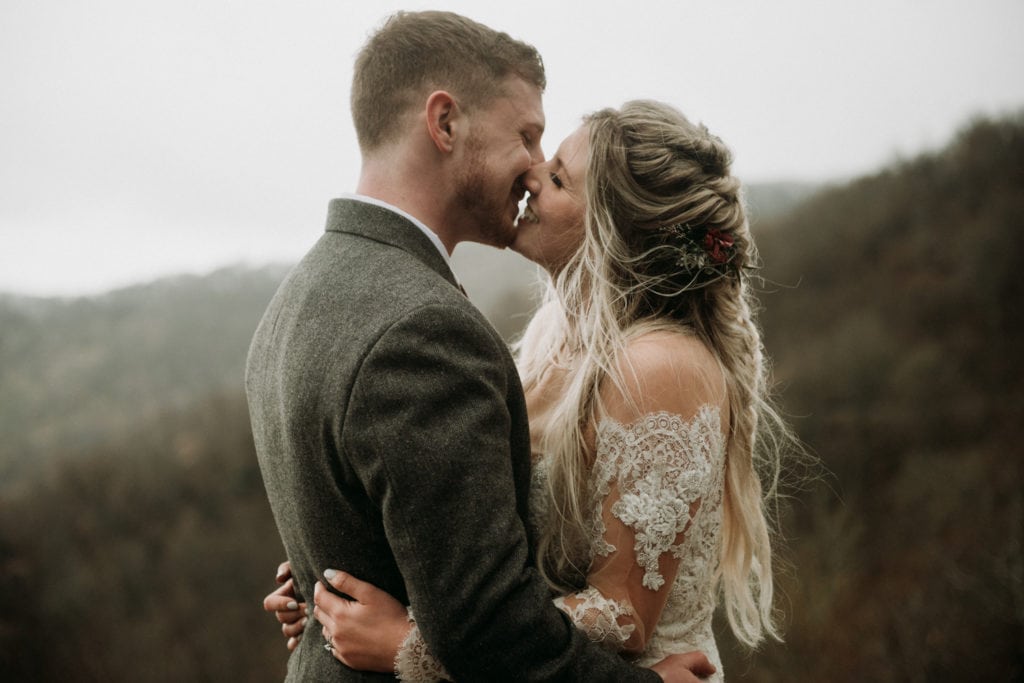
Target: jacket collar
column 355, row 217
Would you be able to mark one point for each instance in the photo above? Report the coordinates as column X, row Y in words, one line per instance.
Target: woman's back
column 654, row 486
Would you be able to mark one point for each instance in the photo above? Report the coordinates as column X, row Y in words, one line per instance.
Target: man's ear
column 443, row 119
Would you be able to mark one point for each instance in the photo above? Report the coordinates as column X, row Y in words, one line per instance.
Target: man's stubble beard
column 485, row 213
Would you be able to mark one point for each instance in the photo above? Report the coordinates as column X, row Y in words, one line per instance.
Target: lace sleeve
column 414, row 662
column 598, row 617
column 661, row 467
column 653, row 492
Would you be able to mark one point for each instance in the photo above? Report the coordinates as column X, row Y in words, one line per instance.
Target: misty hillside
column 893, row 314
column 76, row 370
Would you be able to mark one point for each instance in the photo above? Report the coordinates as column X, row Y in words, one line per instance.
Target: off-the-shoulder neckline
column 706, row 412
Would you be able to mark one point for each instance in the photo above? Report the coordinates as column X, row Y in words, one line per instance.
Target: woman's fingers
column 282, row 602
column 349, row 585
column 292, row 617
column 325, row 605
column 334, row 644
column 361, row 591
column 278, row 599
column 293, row 629
column 328, row 601
column 284, row 572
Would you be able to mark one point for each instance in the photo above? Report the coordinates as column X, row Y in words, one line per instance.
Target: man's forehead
column 526, row 103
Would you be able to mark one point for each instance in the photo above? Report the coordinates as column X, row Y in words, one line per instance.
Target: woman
column 645, row 385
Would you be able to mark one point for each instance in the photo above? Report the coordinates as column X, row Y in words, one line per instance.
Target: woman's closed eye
column 556, row 180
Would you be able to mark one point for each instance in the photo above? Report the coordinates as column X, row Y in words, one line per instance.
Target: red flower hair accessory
column 703, row 251
column 718, row 246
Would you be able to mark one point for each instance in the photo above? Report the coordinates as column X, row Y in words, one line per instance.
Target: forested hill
column 896, row 320
column 893, row 311
column 912, row 274
column 898, row 298
column 76, row 371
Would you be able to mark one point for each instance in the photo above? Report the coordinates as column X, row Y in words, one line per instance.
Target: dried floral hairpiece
column 703, row 251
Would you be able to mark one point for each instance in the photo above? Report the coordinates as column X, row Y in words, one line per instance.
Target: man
column 388, row 417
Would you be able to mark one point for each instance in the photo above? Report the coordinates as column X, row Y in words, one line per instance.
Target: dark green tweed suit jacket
column 392, row 435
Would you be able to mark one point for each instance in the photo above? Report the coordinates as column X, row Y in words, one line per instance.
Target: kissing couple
column 572, row 509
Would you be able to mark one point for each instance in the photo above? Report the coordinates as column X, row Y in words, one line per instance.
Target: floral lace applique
column 663, row 468
column 414, row 662
column 598, row 617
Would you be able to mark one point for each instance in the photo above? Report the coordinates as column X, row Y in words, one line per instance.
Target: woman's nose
column 531, row 179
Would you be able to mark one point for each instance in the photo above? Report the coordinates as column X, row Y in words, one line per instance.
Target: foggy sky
column 143, row 138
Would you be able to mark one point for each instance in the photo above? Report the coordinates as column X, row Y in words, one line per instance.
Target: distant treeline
column 136, row 541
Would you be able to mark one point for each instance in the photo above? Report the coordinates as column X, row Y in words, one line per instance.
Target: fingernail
column 330, row 573
column 292, row 605
column 303, row 622
column 292, row 642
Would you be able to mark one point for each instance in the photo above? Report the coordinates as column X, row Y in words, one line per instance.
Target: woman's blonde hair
column 651, row 174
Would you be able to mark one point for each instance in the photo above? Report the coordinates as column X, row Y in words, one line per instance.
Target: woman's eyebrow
column 563, row 172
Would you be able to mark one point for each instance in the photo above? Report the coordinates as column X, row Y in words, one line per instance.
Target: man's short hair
column 414, row 53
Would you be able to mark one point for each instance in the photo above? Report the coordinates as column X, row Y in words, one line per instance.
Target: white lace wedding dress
column 667, row 474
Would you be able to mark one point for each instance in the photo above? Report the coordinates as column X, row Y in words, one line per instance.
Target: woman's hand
column 366, row 632
column 282, row 603
column 691, row 667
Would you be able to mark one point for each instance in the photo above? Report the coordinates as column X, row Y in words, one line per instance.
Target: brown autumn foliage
column 145, row 559
column 896, row 324
column 136, row 543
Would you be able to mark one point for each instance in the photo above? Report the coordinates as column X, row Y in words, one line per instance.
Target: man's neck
column 408, row 191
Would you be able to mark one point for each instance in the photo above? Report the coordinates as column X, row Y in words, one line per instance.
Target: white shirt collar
column 412, row 219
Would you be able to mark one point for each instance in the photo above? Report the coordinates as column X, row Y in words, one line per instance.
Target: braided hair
column 667, row 246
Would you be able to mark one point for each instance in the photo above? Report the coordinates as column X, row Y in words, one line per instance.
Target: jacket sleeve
column 428, row 431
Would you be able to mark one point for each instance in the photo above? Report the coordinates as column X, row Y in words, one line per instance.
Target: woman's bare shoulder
column 667, row 370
